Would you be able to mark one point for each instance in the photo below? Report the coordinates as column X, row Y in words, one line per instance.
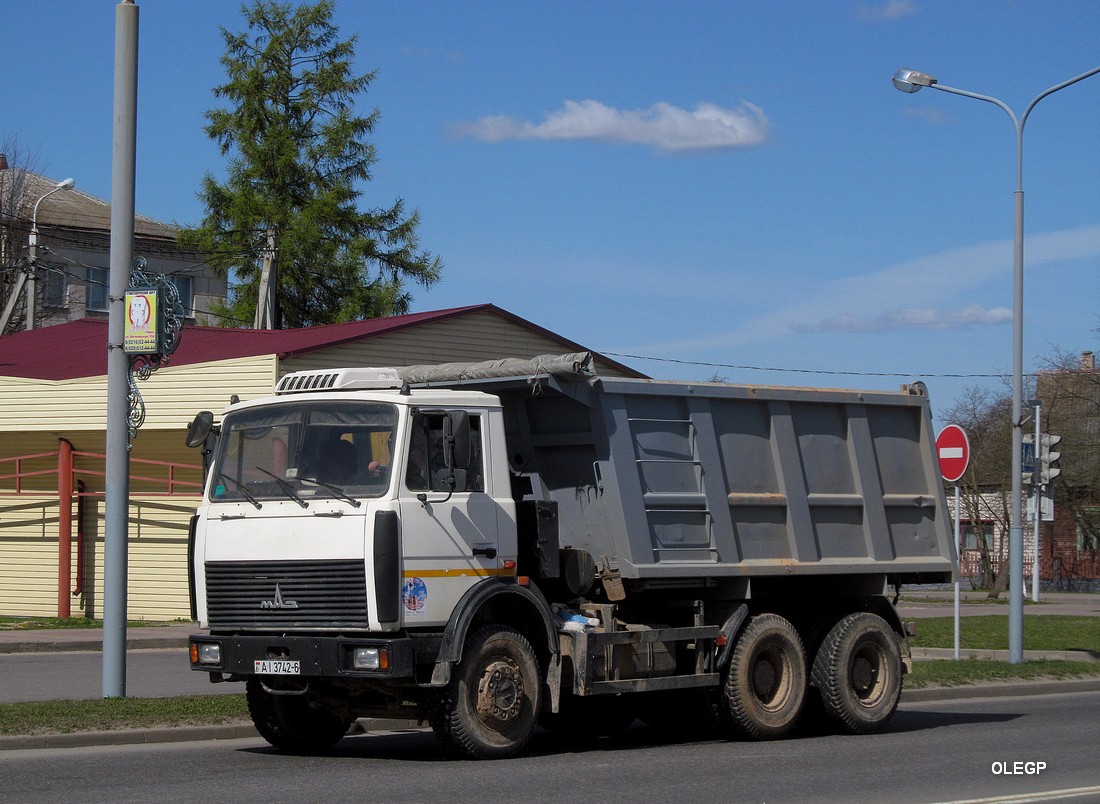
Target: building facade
column 55, row 249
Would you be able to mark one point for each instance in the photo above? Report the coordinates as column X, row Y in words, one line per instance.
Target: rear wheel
column 290, row 724
column 857, row 671
column 488, row 710
column 766, row 679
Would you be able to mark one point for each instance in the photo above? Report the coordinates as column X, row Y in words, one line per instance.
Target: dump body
column 676, row 480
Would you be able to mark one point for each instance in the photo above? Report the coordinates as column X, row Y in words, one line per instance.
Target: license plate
column 277, row 667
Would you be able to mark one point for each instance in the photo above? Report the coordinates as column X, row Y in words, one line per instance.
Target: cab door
column 450, row 537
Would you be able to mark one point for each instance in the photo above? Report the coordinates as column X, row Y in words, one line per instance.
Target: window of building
column 56, row 285
column 97, row 289
column 99, row 280
column 183, row 287
column 970, row 534
column 1088, row 529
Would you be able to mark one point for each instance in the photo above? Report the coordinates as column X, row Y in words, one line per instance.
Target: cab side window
column 425, row 468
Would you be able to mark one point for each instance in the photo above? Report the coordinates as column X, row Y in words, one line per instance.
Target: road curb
column 1006, row 689
column 237, row 730
column 178, row 734
column 91, row 645
column 1003, row 655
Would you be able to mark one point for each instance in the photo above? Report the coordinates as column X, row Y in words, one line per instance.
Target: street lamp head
column 910, row 81
column 67, row 184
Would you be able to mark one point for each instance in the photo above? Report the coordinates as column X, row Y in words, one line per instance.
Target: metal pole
column 1037, row 490
column 958, row 551
column 1016, row 529
column 31, row 289
column 115, row 565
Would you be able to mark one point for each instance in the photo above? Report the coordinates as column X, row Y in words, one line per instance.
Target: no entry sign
column 953, row 451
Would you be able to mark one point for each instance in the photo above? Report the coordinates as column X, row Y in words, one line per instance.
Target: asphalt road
column 932, row 752
column 79, row 675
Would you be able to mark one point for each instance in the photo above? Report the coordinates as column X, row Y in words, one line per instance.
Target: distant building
column 1069, row 545
column 73, row 265
column 1071, row 409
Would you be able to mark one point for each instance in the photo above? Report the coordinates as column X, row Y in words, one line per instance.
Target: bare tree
column 985, row 415
column 1068, row 386
column 15, row 163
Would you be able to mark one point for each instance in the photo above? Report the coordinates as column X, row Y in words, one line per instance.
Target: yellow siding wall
column 28, row 556
column 172, row 396
column 157, row 557
column 475, row 336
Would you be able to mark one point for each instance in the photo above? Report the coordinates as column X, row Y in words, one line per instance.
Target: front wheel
column 488, row 710
column 290, row 724
column 766, row 680
column 857, row 670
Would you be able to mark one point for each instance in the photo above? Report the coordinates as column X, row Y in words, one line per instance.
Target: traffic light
column 1048, row 458
column 1028, row 458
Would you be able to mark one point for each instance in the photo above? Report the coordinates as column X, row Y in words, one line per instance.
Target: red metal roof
column 79, row 348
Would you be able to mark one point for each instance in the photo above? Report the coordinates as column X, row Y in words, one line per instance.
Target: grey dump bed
column 671, row 479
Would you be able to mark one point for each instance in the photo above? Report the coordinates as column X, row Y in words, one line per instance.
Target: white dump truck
column 487, row 547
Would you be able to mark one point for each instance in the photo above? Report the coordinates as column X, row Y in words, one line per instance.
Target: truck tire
column 290, row 724
column 857, row 671
column 765, row 685
column 488, row 710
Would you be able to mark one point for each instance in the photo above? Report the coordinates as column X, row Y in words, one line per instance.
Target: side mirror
column 199, row 428
column 456, row 439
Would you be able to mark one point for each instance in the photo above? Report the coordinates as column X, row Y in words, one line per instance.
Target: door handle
column 488, row 552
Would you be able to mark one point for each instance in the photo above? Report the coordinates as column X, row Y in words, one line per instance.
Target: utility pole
column 269, row 283
column 117, row 470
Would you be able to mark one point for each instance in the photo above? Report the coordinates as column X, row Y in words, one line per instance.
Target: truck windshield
column 304, row 451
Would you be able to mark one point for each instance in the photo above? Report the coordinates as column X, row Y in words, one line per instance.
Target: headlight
column 370, row 659
column 206, row 653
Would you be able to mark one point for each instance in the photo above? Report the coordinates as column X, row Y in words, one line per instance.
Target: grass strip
column 112, row 714
column 1050, row 632
column 948, row 673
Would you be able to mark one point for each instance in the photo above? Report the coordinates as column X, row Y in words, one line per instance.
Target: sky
column 698, row 189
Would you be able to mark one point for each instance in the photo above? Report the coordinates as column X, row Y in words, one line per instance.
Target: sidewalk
column 44, row 640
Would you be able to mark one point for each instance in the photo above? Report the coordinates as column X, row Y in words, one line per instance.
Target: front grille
column 286, row 594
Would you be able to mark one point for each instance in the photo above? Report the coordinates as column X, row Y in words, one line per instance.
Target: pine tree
column 297, row 155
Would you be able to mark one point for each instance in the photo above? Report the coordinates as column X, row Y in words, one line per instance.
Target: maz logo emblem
column 278, row 602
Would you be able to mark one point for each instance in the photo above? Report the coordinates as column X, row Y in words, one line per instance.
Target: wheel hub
column 500, row 692
column 865, row 675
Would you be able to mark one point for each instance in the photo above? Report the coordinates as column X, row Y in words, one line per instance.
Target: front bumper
column 316, row 657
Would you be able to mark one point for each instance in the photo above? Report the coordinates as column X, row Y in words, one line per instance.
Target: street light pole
column 26, row 280
column 910, row 81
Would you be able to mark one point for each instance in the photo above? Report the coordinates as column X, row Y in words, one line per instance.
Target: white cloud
column 927, row 114
column 889, row 10
column 669, row 128
column 932, row 288
column 912, row 318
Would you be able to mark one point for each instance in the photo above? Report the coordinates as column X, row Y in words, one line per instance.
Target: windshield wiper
column 336, row 490
column 248, row 495
column 289, row 489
